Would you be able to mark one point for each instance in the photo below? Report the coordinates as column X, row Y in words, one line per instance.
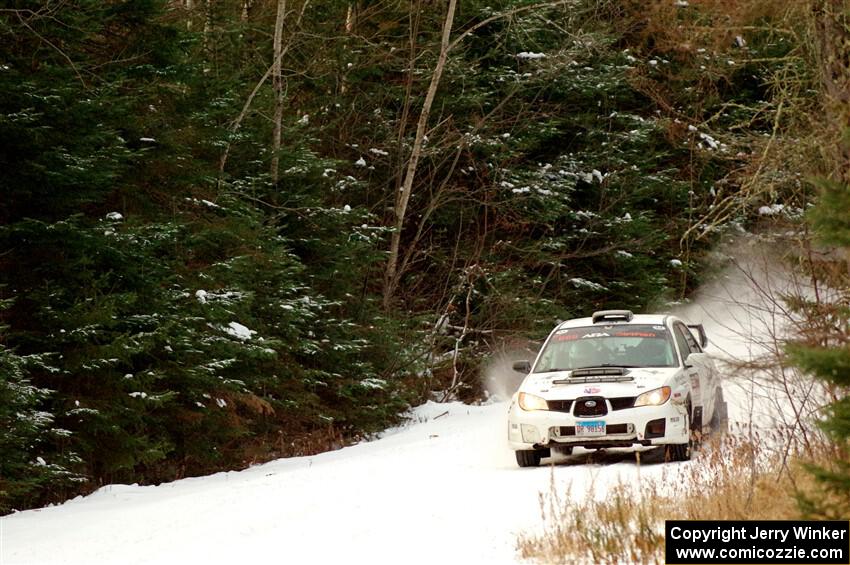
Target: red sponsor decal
column 565, row 337
column 636, row 334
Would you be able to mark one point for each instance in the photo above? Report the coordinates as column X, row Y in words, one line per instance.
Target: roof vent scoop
column 612, row 315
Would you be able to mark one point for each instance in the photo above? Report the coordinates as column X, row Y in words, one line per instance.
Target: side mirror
column 703, row 337
column 522, row 366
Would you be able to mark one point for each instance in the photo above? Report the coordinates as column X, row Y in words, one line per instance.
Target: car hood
column 559, row 385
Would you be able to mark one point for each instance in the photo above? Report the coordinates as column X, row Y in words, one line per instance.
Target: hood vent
column 595, row 379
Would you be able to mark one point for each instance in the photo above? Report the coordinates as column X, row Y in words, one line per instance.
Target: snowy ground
column 441, row 490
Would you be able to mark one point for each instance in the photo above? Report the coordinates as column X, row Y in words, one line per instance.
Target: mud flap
column 719, row 423
column 696, row 427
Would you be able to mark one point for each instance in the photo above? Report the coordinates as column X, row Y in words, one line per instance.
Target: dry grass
column 740, row 477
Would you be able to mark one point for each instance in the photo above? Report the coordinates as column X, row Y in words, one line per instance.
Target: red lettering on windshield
column 568, row 337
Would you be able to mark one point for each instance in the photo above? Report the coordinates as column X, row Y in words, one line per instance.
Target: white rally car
column 616, row 380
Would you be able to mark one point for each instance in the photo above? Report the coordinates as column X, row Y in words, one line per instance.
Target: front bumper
column 645, row 425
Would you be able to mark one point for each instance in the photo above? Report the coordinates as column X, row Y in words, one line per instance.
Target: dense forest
column 232, row 230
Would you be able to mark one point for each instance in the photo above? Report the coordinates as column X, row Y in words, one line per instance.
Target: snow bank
column 443, row 489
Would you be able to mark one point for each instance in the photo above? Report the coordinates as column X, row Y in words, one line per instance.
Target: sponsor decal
column 609, row 331
column 592, row 390
column 636, row 334
column 567, row 337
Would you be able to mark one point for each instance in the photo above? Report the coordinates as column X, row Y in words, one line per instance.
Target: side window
column 681, row 341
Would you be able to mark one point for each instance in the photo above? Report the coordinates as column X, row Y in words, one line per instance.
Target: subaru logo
column 590, row 403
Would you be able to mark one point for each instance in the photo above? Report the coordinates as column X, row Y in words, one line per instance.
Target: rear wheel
column 529, row 457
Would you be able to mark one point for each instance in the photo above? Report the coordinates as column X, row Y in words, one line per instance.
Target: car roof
column 638, row 319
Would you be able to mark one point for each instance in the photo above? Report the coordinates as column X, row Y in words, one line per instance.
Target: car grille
column 622, row 402
column 560, row 405
column 590, row 406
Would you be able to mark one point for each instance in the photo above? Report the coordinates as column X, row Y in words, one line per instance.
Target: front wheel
column 564, row 449
column 528, row 457
column 682, row 451
column 677, row 452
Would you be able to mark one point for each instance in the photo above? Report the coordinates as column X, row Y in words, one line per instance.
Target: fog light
column 530, row 434
column 655, row 428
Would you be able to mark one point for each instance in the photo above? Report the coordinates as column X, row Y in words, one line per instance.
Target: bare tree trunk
column 188, row 5
column 237, row 123
column 350, row 21
column 277, row 84
column 208, row 28
column 833, row 35
column 403, row 196
column 415, row 18
column 349, row 18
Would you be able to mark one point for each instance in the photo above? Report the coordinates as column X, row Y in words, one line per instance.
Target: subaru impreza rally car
column 616, row 380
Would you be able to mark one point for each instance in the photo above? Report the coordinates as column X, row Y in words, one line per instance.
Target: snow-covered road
column 440, row 490
column 443, row 489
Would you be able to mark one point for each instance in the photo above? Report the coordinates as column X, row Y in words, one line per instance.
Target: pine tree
column 28, row 466
column 828, row 357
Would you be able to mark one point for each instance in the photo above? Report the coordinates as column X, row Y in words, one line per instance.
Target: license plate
column 592, row 428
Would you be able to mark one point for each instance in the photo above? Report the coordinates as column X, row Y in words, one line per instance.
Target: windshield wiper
column 597, row 366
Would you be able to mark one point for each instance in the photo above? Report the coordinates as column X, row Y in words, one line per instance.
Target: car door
column 700, row 369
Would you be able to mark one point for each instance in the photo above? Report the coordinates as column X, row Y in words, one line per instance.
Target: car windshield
column 608, row 346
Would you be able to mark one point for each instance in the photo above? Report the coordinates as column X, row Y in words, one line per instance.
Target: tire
column 564, row 449
column 680, row 451
column 528, row 457
column 677, row 452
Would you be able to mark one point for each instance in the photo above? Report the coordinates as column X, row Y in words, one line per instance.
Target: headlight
column 655, row 397
column 530, row 402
